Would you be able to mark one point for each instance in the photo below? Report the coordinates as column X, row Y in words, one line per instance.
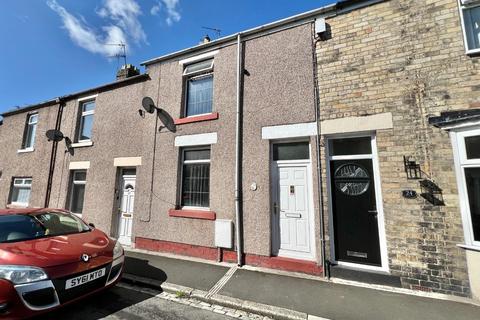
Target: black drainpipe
column 316, row 83
column 53, row 155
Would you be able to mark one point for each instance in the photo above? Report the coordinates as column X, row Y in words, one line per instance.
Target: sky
column 55, row 47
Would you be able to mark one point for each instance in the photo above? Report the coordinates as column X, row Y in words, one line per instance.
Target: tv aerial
column 218, row 32
column 122, row 53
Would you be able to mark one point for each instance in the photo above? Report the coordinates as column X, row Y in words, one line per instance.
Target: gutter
column 232, row 38
column 331, row 10
column 105, row 87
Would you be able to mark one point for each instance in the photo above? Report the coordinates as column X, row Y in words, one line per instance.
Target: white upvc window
column 30, row 131
column 466, row 146
column 21, row 190
column 198, row 88
column 77, row 190
column 195, row 189
column 87, row 111
column 470, row 18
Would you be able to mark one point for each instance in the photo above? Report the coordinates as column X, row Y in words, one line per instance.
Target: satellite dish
column 167, row 120
column 54, row 135
column 148, row 104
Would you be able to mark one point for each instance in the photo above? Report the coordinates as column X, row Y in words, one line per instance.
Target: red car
column 50, row 257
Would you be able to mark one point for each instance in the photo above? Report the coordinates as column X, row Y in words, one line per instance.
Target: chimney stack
column 127, row 71
column 205, row 39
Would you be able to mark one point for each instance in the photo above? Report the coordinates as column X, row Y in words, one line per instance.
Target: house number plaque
column 409, row 194
column 292, row 189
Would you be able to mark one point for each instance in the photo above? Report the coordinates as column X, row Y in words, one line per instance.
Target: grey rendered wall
column 118, row 131
column 32, row 164
column 278, row 90
column 166, row 174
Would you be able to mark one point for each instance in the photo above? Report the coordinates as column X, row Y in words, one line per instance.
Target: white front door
column 126, row 210
column 292, row 211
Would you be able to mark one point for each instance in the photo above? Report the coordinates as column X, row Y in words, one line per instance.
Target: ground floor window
column 466, row 144
column 77, row 190
column 196, row 177
column 20, row 192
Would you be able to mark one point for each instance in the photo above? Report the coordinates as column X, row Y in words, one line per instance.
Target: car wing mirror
column 91, row 225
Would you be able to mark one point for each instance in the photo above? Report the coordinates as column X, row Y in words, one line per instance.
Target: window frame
column 82, row 115
column 183, row 162
column 20, row 185
column 74, row 182
column 461, row 163
column 464, row 5
column 29, row 124
column 187, row 76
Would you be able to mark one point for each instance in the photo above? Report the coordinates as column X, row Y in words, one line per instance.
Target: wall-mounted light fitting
column 412, row 168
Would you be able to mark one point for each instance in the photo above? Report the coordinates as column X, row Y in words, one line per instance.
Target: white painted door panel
column 126, row 210
column 293, row 215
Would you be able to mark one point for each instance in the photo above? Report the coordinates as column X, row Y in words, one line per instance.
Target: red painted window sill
column 192, row 214
column 205, row 117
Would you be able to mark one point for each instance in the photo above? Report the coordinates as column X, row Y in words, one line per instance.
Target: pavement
column 286, row 296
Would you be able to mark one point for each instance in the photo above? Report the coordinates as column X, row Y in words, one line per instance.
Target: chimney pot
column 127, row 71
column 205, row 39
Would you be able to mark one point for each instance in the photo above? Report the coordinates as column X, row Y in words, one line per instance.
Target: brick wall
column 406, row 57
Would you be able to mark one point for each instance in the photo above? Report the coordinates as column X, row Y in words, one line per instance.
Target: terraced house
column 343, row 141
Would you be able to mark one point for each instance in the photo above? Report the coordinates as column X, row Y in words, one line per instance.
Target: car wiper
column 40, row 223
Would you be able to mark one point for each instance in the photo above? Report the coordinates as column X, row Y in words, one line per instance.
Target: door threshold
column 286, row 264
column 369, row 276
column 361, row 267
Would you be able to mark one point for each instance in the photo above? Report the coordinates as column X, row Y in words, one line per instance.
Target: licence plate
column 78, row 281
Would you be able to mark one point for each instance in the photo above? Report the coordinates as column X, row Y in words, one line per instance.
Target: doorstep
column 367, row 277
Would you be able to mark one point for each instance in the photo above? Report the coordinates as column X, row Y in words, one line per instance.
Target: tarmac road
column 124, row 303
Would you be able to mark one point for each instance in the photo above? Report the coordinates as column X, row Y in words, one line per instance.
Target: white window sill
column 473, row 52
column 469, row 247
column 196, row 208
column 25, row 150
column 16, row 205
column 82, row 144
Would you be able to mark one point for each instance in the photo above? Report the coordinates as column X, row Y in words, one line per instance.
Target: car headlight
column 117, row 251
column 22, row 274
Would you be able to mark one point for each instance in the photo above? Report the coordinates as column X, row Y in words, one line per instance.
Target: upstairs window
column 86, row 121
column 77, row 190
column 470, row 15
column 30, row 131
column 196, row 177
column 199, row 88
column 20, row 192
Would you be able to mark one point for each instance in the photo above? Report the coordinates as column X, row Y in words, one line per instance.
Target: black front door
column 355, row 212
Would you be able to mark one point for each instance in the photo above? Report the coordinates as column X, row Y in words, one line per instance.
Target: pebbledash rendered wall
column 407, row 57
column 35, row 164
column 118, row 131
column 270, row 88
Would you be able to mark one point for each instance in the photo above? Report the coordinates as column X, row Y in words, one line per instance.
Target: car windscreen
column 15, row 228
